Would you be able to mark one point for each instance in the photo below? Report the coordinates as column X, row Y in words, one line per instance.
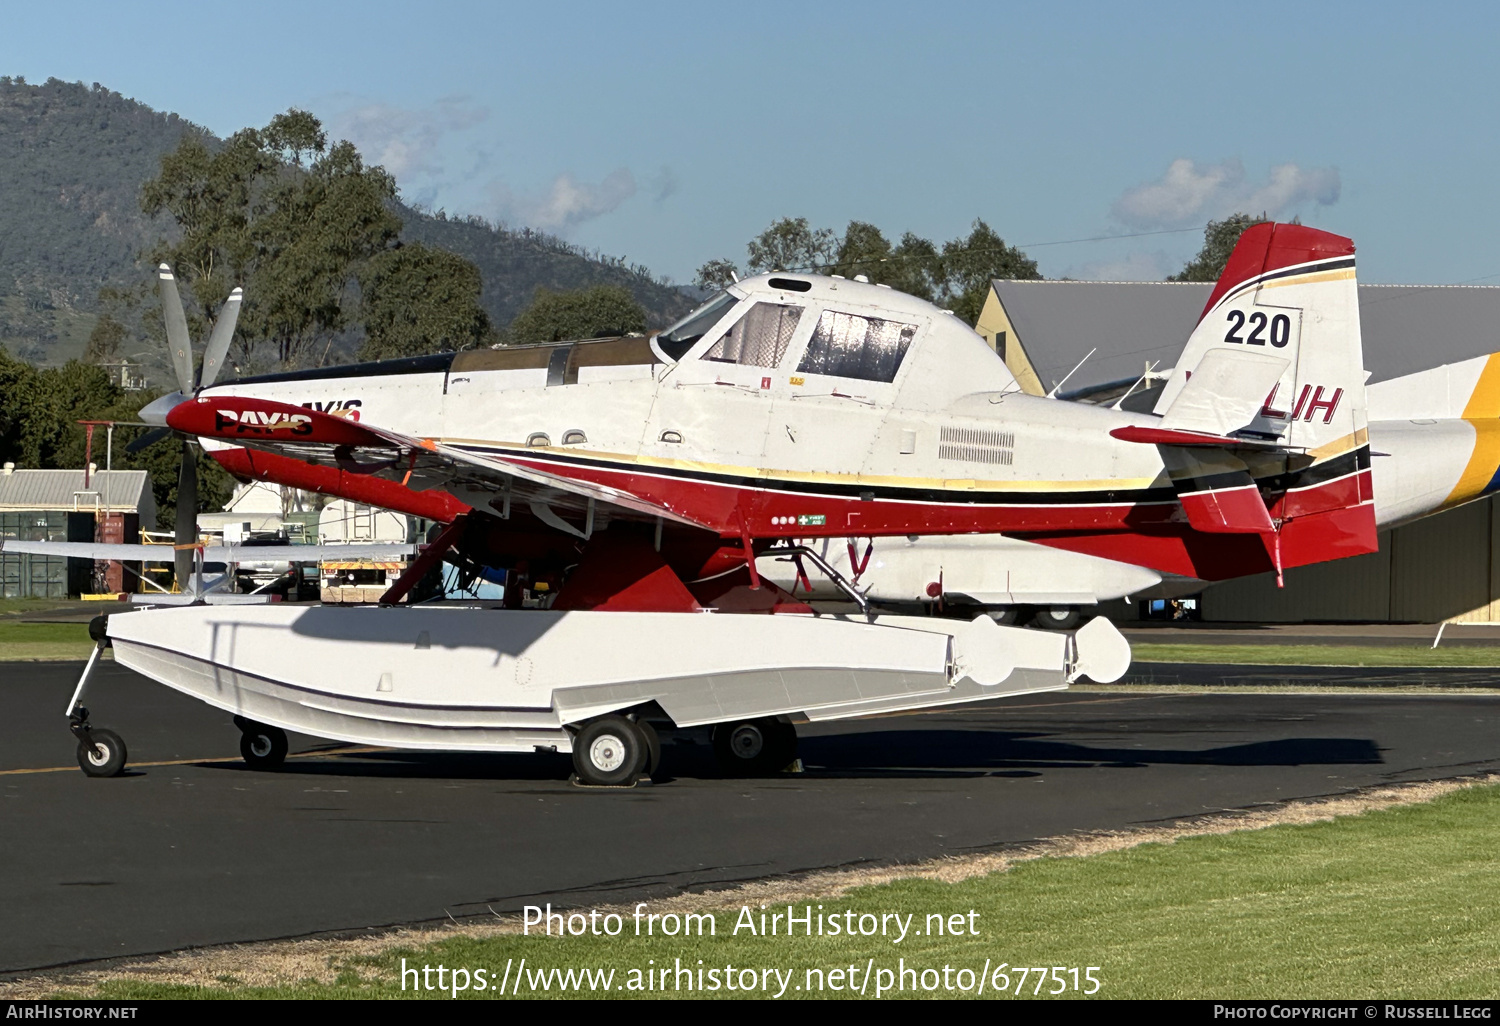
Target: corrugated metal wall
column 44, row 576
column 1439, row 568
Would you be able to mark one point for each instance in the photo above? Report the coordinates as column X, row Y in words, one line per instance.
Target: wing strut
column 426, row 560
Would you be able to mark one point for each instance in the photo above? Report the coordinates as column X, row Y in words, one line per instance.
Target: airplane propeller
column 181, row 346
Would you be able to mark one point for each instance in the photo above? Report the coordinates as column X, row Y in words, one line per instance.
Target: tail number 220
column 1281, row 329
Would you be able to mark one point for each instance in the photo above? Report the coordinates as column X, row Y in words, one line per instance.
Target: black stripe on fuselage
column 1213, row 482
column 1339, row 466
column 437, row 363
column 854, row 491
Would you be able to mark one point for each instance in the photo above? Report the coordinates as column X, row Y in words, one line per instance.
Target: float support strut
column 426, row 560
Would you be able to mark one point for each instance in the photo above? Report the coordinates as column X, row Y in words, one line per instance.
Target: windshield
column 679, row 338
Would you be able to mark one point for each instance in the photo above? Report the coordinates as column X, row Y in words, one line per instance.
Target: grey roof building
column 1044, row 328
column 120, row 491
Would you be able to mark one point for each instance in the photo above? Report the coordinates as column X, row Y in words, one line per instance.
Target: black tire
column 263, row 747
column 652, row 752
column 1058, row 618
column 103, row 755
column 1008, row 616
column 754, row 747
column 609, row 752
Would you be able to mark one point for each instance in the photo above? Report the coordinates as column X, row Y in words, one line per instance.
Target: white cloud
column 405, row 141
column 1191, row 193
column 566, row 203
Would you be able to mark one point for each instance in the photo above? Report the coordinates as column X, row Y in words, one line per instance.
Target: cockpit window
column 679, row 338
column 758, row 339
column 850, row 346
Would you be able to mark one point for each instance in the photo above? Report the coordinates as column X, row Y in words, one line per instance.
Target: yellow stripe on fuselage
column 628, row 461
column 1482, row 411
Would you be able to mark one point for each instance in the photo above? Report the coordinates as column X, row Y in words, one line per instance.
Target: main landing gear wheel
column 754, row 747
column 101, row 753
column 652, row 754
column 1058, row 618
column 261, row 746
column 609, row 752
column 1007, row 616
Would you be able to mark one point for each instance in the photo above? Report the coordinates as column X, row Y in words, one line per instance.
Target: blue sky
column 671, row 133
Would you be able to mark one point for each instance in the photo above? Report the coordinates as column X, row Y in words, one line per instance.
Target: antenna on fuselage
column 1145, row 376
column 1053, row 394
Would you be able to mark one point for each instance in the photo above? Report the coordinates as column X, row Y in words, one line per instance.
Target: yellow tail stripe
column 1484, row 404
column 1483, row 411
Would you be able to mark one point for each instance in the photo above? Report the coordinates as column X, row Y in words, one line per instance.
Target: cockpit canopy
column 679, row 338
column 843, row 343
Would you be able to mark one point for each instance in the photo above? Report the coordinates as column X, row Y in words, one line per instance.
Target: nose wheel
column 754, row 747
column 101, row 753
column 262, row 747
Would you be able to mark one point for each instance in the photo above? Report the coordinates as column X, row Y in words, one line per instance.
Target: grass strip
column 44, row 641
column 1397, row 902
column 1319, row 655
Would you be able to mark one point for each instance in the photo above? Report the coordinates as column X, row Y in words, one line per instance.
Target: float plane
column 633, row 482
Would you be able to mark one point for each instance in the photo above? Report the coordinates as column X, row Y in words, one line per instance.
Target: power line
column 1106, row 238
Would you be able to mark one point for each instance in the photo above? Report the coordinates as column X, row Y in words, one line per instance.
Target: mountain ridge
column 72, row 162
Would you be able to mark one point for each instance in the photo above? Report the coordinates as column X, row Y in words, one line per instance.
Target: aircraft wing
column 211, row 553
column 419, row 463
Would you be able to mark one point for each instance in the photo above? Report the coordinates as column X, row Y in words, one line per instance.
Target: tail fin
column 1286, row 301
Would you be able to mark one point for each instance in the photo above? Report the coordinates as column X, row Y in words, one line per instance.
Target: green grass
column 1319, row 655
column 23, row 606
column 1400, row 903
column 52, row 641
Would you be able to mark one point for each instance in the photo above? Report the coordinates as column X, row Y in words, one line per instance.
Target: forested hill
column 72, row 162
column 512, row 264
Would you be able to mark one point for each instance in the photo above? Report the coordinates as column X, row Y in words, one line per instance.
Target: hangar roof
column 122, row 490
column 1406, row 328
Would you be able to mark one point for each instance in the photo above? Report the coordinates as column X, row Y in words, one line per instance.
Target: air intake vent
column 974, row 445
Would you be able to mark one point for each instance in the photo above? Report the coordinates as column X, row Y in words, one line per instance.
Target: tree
column 39, row 414
column 969, row 265
column 420, row 300
column 717, row 274
column 913, row 266
column 250, row 213
column 209, row 195
column 1219, row 239
column 790, row 244
column 596, row 312
column 957, row 277
column 316, row 232
column 105, row 340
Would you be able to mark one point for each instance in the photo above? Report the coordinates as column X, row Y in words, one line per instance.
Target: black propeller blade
column 187, row 515
column 146, row 438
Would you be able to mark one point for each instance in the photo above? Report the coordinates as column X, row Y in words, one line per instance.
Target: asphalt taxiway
column 191, row 848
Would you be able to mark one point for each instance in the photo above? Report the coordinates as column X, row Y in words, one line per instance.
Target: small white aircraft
column 638, row 480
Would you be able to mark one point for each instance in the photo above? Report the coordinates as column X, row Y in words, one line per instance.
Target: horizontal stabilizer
column 1226, row 391
column 1161, row 436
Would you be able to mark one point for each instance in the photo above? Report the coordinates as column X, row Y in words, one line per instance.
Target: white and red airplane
column 638, row 480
